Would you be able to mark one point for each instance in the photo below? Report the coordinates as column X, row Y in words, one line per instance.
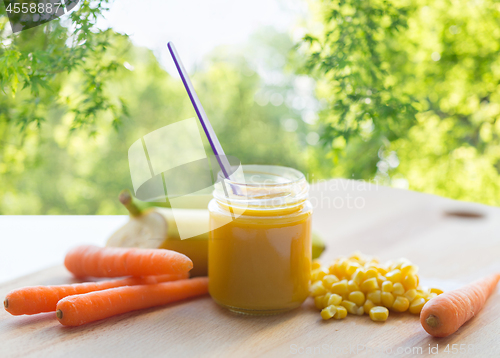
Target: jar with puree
column 260, row 241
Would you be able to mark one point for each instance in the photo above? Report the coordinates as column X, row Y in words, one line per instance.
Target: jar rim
column 269, row 169
column 274, row 187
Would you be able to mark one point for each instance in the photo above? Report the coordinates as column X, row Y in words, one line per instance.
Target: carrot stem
column 432, row 321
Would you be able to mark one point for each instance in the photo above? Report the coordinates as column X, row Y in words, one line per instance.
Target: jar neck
column 259, row 211
column 263, row 190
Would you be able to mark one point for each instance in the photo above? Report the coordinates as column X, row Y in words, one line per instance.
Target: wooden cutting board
column 437, row 234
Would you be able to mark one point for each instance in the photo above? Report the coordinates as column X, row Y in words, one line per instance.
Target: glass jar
column 260, row 260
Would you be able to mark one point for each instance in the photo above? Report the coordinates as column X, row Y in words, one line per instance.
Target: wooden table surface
column 451, row 249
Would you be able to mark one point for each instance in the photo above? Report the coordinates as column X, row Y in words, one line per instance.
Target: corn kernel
column 329, row 280
column 401, row 304
column 368, row 306
column 331, row 269
column 398, row 289
column 394, row 276
column 404, row 261
column 319, row 302
column 409, row 268
column 351, row 268
column 339, row 287
column 340, row 268
column 374, row 296
column 358, row 256
column 369, row 285
column 410, row 281
column 378, row 268
column 352, row 286
column 437, row 291
column 397, row 264
column 358, row 276
column 411, row 294
column 315, row 265
column 357, row 297
column 334, row 300
column 349, row 306
column 318, row 274
column 328, row 312
column 341, row 312
column 381, row 279
column 387, row 286
column 371, row 273
column 317, row 289
column 360, row 311
column 379, row 314
column 375, row 265
column 387, row 299
column 416, row 305
column 382, row 271
column 430, row 296
column 391, row 265
column 422, row 292
column 326, row 298
column 372, row 261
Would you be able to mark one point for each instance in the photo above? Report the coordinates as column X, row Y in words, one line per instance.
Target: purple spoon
column 202, row 116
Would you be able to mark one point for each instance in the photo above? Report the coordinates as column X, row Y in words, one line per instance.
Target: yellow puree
column 261, row 261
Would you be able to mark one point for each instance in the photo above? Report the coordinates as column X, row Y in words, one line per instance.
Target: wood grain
column 450, row 250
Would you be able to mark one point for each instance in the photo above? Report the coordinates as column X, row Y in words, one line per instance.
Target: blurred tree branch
column 411, row 92
column 36, row 60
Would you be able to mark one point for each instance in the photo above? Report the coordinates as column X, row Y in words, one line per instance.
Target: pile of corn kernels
column 361, row 285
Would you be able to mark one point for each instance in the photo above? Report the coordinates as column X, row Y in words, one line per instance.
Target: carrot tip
column 432, row 321
column 6, row 303
column 59, row 314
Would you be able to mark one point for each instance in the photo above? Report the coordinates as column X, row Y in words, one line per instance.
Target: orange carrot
column 446, row 313
column 96, row 261
column 93, row 306
column 37, row 299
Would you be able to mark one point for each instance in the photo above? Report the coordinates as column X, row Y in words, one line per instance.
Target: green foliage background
column 413, row 93
column 408, row 93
